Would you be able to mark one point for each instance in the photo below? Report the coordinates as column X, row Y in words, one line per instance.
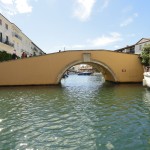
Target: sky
column 55, row 25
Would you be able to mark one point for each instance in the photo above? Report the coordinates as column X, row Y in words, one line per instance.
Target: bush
column 145, row 55
column 4, row 56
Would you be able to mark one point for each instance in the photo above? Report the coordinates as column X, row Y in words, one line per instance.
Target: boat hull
column 84, row 73
column 146, row 80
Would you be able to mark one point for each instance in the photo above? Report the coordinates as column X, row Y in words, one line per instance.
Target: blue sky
column 80, row 24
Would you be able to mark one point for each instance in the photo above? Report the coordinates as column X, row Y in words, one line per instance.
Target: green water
column 82, row 114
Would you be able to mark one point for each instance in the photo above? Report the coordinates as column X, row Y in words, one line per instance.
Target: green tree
column 4, row 56
column 145, row 55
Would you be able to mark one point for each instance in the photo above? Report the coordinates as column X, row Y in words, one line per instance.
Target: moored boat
column 146, row 80
column 84, row 73
column 97, row 74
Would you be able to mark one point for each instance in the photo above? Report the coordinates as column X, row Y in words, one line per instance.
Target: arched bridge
column 49, row 69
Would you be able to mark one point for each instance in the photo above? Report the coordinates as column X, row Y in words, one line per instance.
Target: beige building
column 12, row 38
column 35, row 49
column 6, row 43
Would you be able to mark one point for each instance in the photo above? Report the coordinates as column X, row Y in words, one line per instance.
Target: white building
column 5, row 35
column 12, row 38
column 36, row 50
column 140, row 44
column 136, row 48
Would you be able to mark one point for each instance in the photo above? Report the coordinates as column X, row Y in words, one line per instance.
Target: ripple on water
column 109, row 145
column 83, row 114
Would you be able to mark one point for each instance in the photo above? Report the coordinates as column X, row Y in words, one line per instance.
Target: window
column 6, row 39
column 6, row 26
column 14, row 44
column 1, row 36
column 0, row 21
column 140, row 47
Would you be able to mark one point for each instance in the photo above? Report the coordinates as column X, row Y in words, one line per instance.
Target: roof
column 128, row 46
column 38, row 47
column 143, row 40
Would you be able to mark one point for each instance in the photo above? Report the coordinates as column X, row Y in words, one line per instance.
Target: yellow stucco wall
column 7, row 48
column 48, row 69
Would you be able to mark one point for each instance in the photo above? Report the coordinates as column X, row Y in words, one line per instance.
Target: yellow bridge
column 49, row 69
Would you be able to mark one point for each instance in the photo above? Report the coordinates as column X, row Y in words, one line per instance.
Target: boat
column 97, row 74
column 146, row 80
column 84, row 73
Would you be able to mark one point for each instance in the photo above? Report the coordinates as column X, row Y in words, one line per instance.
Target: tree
column 145, row 55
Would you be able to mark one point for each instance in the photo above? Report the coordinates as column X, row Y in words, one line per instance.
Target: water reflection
column 82, row 113
column 146, row 98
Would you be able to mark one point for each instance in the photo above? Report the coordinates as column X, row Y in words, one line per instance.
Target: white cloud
column 127, row 9
column 84, row 9
column 100, row 43
column 106, row 40
column 105, row 4
column 135, row 15
column 7, row 1
column 23, row 6
column 116, row 46
column 12, row 7
column 131, row 35
column 126, row 22
column 129, row 20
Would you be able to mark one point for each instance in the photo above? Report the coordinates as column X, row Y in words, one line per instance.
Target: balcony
column 34, row 49
column 4, row 41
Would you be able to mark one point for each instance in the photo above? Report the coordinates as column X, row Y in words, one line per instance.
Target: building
column 136, row 48
column 140, row 44
column 82, row 68
column 13, row 39
column 36, row 50
column 6, row 43
column 127, row 49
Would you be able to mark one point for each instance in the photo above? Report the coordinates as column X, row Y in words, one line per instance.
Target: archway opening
column 83, row 74
column 90, row 69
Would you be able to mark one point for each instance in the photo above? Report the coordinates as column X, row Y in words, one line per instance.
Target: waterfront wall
column 48, row 69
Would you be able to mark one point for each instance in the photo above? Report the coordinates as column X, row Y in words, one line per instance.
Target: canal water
column 83, row 113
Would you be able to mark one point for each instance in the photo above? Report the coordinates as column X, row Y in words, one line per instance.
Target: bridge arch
column 103, row 68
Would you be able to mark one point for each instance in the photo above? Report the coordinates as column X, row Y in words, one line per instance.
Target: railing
column 4, row 41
